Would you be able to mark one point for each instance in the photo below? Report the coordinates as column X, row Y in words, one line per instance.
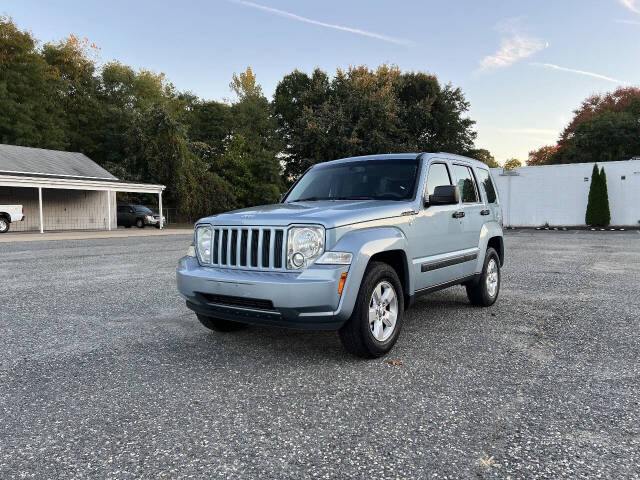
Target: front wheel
column 140, row 223
column 218, row 324
column 484, row 291
column 4, row 225
column 376, row 321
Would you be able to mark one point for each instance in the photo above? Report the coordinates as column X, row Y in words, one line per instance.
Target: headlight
column 335, row 258
column 304, row 245
column 203, row 244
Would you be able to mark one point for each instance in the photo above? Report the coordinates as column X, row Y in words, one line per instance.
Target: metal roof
column 16, row 160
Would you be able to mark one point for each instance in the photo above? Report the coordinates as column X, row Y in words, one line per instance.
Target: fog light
column 297, row 259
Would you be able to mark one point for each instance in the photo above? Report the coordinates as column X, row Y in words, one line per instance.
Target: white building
column 557, row 194
column 61, row 190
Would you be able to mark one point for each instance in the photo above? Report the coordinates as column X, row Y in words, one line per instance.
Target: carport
column 63, row 190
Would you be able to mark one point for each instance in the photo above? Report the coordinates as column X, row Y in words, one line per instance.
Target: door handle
column 458, row 215
column 485, row 212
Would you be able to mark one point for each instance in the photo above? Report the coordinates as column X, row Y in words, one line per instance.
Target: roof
column 404, row 156
column 15, row 160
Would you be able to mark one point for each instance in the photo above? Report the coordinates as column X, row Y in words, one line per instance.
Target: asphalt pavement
column 104, row 373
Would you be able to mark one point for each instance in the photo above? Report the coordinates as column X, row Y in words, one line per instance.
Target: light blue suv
column 349, row 248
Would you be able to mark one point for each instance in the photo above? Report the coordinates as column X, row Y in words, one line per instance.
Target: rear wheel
column 4, row 225
column 218, row 324
column 484, row 291
column 376, row 321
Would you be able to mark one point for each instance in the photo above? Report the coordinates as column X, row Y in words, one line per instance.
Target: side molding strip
column 428, row 266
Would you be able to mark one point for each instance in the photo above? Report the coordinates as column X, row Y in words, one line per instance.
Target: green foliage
column 215, row 156
column 360, row 111
column 484, row 156
column 605, row 128
column 604, row 211
column 512, row 164
column 591, row 214
column 598, row 214
column 30, row 111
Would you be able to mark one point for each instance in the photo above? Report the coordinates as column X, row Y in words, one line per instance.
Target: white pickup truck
column 8, row 214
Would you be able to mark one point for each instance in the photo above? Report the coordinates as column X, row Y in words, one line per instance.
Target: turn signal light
column 343, row 278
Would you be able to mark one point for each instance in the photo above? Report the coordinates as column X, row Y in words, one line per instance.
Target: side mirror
column 445, row 195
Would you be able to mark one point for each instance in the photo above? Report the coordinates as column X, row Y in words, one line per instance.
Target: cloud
column 293, row 16
column 551, row 66
column 631, row 5
column 514, row 46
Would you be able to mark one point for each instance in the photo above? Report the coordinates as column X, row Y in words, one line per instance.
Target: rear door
column 438, row 234
column 472, row 215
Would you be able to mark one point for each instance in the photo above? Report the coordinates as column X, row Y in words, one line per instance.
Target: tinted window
column 485, row 180
column 466, row 184
column 122, row 209
column 143, row 209
column 438, row 175
column 372, row 179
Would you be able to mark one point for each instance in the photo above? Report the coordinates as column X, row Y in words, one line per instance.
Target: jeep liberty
column 349, row 247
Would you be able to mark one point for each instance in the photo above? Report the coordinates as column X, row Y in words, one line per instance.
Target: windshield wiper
column 351, row 198
column 308, row 199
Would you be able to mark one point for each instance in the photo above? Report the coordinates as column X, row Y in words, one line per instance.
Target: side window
column 438, row 175
column 485, row 180
column 122, row 209
column 467, row 186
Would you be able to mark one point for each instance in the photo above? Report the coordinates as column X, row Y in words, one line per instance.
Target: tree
column 244, row 84
column 361, row 111
column 591, row 215
column 30, row 113
column 604, row 128
column 541, row 156
column 512, row 164
column 484, row 156
column 604, row 211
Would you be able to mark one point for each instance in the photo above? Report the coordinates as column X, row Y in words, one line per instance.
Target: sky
column 523, row 65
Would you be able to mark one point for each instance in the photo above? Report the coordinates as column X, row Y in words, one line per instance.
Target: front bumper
column 307, row 299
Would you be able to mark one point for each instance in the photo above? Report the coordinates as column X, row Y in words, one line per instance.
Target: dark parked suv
column 138, row 215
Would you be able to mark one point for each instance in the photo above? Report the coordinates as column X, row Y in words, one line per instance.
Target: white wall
column 557, row 194
column 61, row 209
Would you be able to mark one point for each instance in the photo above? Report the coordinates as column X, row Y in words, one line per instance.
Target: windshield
column 143, row 209
column 365, row 180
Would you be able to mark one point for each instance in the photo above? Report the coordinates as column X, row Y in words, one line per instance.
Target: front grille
column 255, row 248
column 239, row 301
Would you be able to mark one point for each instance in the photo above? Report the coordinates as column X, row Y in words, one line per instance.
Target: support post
column 160, row 209
column 40, row 209
column 109, row 209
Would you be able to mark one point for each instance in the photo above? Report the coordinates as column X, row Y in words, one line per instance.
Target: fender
column 488, row 231
column 364, row 244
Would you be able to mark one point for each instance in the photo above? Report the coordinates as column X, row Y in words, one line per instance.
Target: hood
column 329, row 213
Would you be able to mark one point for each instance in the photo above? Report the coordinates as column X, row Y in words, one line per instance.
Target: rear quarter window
column 484, row 178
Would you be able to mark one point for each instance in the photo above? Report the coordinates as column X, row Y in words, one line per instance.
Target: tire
column 219, row 325
column 140, row 223
column 4, row 224
column 480, row 292
column 364, row 333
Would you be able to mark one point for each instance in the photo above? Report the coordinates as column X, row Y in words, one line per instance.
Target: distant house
column 557, row 194
column 62, row 190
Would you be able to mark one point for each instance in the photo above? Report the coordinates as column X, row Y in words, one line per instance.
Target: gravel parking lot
column 104, row 373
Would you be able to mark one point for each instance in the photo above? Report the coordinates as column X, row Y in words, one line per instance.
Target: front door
column 474, row 209
column 438, row 235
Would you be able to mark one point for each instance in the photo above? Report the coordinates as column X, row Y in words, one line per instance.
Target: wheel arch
column 388, row 244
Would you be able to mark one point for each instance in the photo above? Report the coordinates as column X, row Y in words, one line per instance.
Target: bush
column 598, row 214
